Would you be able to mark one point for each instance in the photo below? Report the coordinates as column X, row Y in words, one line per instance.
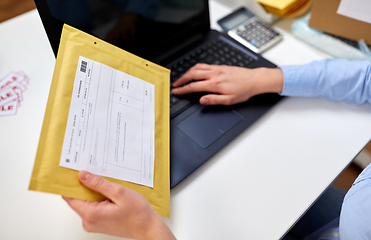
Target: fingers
column 197, row 72
column 109, row 189
column 201, row 86
column 81, row 207
column 77, row 205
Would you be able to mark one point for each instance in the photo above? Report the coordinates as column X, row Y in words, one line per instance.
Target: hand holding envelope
column 126, row 214
column 48, row 175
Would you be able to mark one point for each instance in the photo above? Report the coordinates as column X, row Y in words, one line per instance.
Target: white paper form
column 110, row 127
column 357, row 9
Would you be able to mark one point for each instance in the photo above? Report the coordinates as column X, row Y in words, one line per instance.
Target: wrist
column 156, row 229
column 272, row 80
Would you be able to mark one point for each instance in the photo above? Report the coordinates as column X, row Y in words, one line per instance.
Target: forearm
column 334, row 79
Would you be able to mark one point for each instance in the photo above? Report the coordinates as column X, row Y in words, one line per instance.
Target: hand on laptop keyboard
column 227, row 84
column 217, row 52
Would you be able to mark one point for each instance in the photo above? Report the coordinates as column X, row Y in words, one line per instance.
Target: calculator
column 246, row 28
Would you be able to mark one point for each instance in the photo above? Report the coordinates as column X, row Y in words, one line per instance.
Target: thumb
column 215, row 99
column 109, row 189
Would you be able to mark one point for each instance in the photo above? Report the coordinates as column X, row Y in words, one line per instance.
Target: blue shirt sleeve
column 334, row 79
column 355, row 216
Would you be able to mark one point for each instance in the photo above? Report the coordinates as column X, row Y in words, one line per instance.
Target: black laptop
column 175, row 34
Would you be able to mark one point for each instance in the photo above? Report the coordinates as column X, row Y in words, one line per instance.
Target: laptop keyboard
column 215, row 52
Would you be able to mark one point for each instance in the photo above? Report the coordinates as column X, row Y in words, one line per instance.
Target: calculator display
column 236, row 20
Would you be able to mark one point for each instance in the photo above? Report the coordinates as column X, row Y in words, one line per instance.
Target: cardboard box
column 324, row 17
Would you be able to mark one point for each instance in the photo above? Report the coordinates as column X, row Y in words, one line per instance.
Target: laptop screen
column 146, row 28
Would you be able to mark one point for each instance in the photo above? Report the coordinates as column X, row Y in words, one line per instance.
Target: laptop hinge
column 176, row 49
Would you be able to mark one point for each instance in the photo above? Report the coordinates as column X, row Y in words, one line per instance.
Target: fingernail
column 205, row 101
column 86, row 176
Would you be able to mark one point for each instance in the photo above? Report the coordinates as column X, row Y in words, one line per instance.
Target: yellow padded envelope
column 47, row 175
column 286, row 8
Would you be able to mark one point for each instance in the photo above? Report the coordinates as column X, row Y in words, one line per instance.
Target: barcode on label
column 67, row 160
column 83, row 67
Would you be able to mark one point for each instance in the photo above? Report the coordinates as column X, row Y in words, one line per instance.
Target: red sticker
column 12, row 87
column 9, row 109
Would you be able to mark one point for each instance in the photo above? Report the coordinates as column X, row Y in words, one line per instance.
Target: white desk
column 255, row 188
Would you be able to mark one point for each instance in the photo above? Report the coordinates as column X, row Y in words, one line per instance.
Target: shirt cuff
column 298, row 81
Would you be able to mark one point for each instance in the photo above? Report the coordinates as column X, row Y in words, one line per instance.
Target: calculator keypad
column 256, row 32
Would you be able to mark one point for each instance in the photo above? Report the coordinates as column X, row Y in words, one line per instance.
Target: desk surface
column 264, row 179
